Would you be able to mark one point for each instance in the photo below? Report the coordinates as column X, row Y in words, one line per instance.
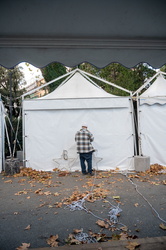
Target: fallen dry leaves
column 162, row 226
column 75, row 196
column 21, row 192
column 59, row 204
column 132, row 245
column 52, row 241
column 24, row 246
column 71, row 240
column 98, row 192
column 8, row 181
column 155, row 168
column 39, row 176
column 78, row 237
column 153, row 172
column 102, row 223
column 76, row 231
column 56, row 194
column 28, row 227
column 21, row 180
column 63, row 173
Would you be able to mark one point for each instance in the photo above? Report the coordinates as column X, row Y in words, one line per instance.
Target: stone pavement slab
column 33, row 207
column 156, row 243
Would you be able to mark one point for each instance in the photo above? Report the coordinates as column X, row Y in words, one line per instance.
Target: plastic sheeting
column 153, row 136
column 49, row 132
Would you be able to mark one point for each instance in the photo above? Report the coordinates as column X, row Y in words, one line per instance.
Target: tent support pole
column 48, row 83
column 2, row 136
column 147, row 82
column 23, row 132
column 138, row 127
column 90, row 80
column 72, row 73
column 133, row 125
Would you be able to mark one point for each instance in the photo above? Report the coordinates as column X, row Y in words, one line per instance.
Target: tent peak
column 158, row 73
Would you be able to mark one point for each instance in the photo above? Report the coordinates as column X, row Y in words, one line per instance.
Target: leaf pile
column 150, row 174
column 63, row 173
column 155, row 168
column 98, row 193
column 76, row 195
column 78, row 237
column 40, row 176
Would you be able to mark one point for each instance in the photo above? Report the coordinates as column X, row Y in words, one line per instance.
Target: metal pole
column 10, row 110
column 138, row 128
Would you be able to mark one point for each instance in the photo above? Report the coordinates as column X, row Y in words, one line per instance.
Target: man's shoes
column 91, row 174
column 85, row 173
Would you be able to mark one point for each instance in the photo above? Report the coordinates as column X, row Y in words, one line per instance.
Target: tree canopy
column 10, row 90
column 51, row 72
column 130, row 79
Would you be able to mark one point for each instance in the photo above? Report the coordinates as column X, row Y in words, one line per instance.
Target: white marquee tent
column 2, row 157
column 152, row 120
column 50, row 124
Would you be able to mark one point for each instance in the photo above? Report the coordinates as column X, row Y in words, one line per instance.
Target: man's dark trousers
column 88, row 158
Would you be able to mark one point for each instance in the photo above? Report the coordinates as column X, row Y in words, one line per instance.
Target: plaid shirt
column 84, row 139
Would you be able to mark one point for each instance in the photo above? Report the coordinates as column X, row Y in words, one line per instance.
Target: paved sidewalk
column 156, row 243
column 33, row 207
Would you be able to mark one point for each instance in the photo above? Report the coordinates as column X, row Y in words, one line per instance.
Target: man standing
column 85, row 149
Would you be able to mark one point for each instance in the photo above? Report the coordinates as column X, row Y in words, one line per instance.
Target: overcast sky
column 31, row 73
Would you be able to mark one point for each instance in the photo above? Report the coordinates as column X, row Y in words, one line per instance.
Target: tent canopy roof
column 77, row 87
column 156, row 93
column 78, row 84
column 158, row 88
column 72, row 32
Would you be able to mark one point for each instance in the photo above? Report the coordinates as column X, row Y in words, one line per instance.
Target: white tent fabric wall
column 50, row 126
column 152, row 121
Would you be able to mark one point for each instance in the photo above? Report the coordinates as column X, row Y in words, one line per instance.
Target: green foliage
column 89, row 68
column 15, row 76
column 11, row 79
column 163, row 68
column 52, row 71
column 130, row 79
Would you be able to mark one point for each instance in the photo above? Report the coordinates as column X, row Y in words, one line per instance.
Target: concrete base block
column 20, row 155
column 141, row 163
column 12, row 166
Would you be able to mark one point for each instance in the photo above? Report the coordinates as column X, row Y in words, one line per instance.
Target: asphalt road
column 32, row 208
